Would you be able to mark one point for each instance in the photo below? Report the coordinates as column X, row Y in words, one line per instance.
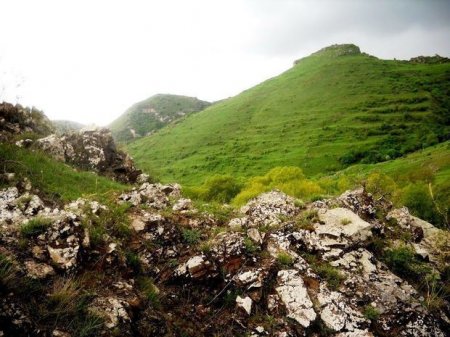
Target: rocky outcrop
column 173, row 269
column 91, row 150
column 16, row 120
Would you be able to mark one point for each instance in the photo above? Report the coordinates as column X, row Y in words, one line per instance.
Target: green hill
column 333, row 109
column 149, row 115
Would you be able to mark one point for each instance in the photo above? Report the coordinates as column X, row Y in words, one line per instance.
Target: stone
column 254, row 234
column 244, row 303
column 336, row 313
column 343, row 222
column 111, row 309
column 182, row 205
column 293, row 294
column 138, row 225
column 269, row 209
column 38, row 270
column 197, row 267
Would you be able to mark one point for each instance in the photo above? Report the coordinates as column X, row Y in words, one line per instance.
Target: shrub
column 221, row 188
column 35, row 226
column 284, row 259
column 417, row 198
column 371, row 313
column 402, row 261
column 381, row 185
column 332, row 275
column 290, row 180
column 191, row 236
column 250, row 246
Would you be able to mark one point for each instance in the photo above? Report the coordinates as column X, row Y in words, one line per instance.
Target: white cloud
column 89, row 60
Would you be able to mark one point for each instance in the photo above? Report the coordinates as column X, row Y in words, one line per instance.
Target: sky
column 89, row 60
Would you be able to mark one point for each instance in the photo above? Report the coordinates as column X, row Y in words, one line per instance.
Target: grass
column 285, row 260
column 371, row 313
column 322, row 115
column 152, row 114
column 191, row 236
column 35, row 227
column 55, row 180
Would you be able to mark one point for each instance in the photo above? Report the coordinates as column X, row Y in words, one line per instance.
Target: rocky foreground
column 153, row 264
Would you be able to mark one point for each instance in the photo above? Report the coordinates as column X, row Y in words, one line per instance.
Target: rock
column 64, row 258
column 252, row 278
column 111, row 309
column 54, row 146
column 244, row 303
column 153, row 195
column 91, row 150
column 197, row 267
column 267, row 209
column 38, row 270
column 341, row 222
column 142, row 178
column 336, row 313
column 237, row 224
column 182, row 205
column 59, row 333
column 293, row 295
column 254, row 234
column 16, row 120
column 359, row 202
column 138, row 225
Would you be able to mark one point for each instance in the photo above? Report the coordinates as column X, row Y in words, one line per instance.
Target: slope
column 152, row 114
column 332, row 109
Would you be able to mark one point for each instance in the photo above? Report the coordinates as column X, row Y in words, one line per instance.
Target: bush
column 332, row 275
column 290, row 180
column 284, row 259
column 418, row 199
column 220, row 188
column 402, row 261
column 371, row 313
column 191, row 236
column 381, row 186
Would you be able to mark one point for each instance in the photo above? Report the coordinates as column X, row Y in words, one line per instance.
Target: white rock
column 293, row 295
column 38, row 270
column 254, row 234
column 244, row 303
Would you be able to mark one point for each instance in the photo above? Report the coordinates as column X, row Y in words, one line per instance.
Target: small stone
column 244, row 303
column 254, row 234
column 38, row 270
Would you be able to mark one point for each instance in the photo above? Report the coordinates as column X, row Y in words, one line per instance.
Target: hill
column 64, row 126
column 335, row 108
column 149, row 115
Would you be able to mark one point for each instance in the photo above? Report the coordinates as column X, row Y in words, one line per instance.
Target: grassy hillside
column 152, row 114
column 55, row 180
column 333, row 109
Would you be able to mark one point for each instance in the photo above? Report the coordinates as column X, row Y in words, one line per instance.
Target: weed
column 250, row 246
column 327, row 272
column 345, row 221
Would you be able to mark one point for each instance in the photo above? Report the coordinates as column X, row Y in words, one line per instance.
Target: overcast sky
column 89, row 60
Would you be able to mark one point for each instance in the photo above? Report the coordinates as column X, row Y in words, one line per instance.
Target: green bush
column 284, row 259
column 220, row 188
column 332, row 275
column 402, row 261
column 191, row 236
column 381, row 185
column 290, row 180
column 371, row 313
column 418, row 200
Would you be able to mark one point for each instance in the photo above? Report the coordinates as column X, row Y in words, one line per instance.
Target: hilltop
column 332, row 109
column 146, row 117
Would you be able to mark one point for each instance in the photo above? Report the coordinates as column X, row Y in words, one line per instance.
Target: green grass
column 55, row 180
column 152, row 114
column 35, row 227
column 322, row 115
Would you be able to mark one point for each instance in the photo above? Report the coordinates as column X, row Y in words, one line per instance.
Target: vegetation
column 284, row 259
column 330, row 111
column 35, row 226
column 152, row 114
column 371, row 313
column 56, row 181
